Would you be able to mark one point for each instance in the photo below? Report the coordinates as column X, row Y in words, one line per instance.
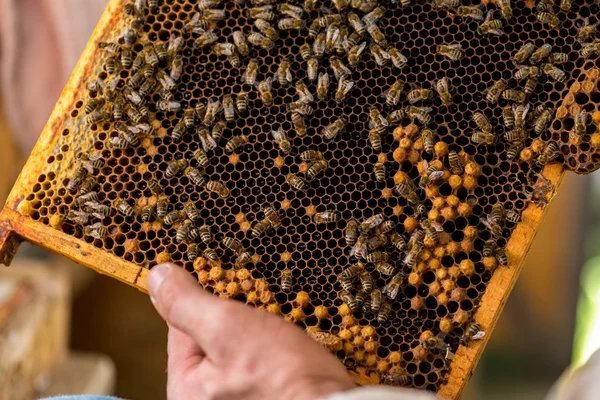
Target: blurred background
column 109, row 333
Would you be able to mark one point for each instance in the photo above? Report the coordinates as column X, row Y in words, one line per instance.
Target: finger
column 204, row 317
column 184, row 354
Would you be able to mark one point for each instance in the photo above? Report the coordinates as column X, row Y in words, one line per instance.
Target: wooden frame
column 16, row 226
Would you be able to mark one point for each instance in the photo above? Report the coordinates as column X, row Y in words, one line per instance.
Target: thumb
column 208, row 320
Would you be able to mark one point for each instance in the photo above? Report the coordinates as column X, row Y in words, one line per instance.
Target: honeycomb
column 294, row 269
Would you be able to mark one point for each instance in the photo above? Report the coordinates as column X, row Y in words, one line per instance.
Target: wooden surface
column 15, row 224
column 34, row 320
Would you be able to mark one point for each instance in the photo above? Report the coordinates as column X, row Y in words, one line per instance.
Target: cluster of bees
column 337, row 41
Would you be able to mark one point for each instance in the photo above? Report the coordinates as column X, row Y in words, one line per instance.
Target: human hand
column 227, row 350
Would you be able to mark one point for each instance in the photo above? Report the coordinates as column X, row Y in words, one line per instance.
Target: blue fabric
column 82, row 397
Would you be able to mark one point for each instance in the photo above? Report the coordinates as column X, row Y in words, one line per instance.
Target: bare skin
column 226, row 350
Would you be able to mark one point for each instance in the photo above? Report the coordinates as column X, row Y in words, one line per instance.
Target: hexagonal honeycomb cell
column 375, row 209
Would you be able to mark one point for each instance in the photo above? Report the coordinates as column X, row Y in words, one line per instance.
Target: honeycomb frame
column 16, row 225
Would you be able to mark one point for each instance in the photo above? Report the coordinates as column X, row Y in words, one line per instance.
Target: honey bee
column 587, row 32
column 176, row 44
column 373, row 222
column 532, row 81
column 349, row 300
column 456, row 166
column 428, row 137
column 376, row 301
column 373, row 16
column 352, row 271
column 489, row 247
column 377, row 241
column 356, row 23
column 286, row 280
column 195, row 176
column 183, row 231
column 264, row 89
column 419, row 113
column 192, row 212
column 272, row 216
column 392, row 95
column 228, row 108
column 443, row 88
column 339, row 69
column 558, row 58
column 224, row 49
column 540, row 54
column 473, row 332
column 379, row 170
column 494, row 92
column 316, row 169
column 205, row 234
column 196, row 25
column 543, row 120
column 251, row 72
column 515, row 135
column 514, row 149
column 323, row 85
column 351, row 232
column 419, row 94
column 213, row 107
column 290, row 10
column 490, row 25
column 85, row 198
column 438, row 343
column 352, row 40
column 306, row 51
column 266, row 29
column 134, row 114
column 361, row 297
column 501, row 257
column 431, row 229
column 303, row 93
column 312, row 68
column 189, row 118
column 213, row 14
column 392, row 288
column 193, row 251
column 263, row 12
column 168, row 105
column 384, row 312
column 513, row 216
column 482, row 122
column 218, row 188
column 94, row 104
column 398, row 242
column 326, row 217
column 347, row 284
column 520, row 113
column 355, row 53
column 375, row 138
column 492, row 222
column 483, row 138
column 398, row 59
column 431, row 175
column 242, row 260
column 258, row 39
column 97, row 117
column 299, row 123
column 233, row 245
column 360, row 249
column 548, row 18
column 98, row 210
column 377, row 35
column 408, row 190
column 148, row 213
column 514, row 95
column 453, row 52
column 175, row 167
column 396, row 116
column 206, row 4
column 343, row 90
column 549, row 154
column 282, row 140
column 332, row 35
column 395, row 380
column 332, row 130
column 376, row 119
column 211, row 255
column 124, row 208
column 178, row 131
column 581, row 123
column 78, row 217
column 97, row 231
column 524, row 71
column 590, row 50
column 546, row 5
column 554, row 72
column 386, row 269
column 162, row 206
column 475, row 12
column 377, row 256
column 155, row 187
column 260, row 227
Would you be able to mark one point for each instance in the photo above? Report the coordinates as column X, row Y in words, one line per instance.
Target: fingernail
column 157, row 276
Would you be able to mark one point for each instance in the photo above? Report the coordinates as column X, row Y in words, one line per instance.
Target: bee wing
column 96, row 225
column 208, row 142
column 361, row 48
column 279, row 135
column 479, row 335
column 455, row 46
column 359, row 249
column 98, row 215
column 438, row 227
column 333, row 34
column 489, row 16
column 526, row 110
